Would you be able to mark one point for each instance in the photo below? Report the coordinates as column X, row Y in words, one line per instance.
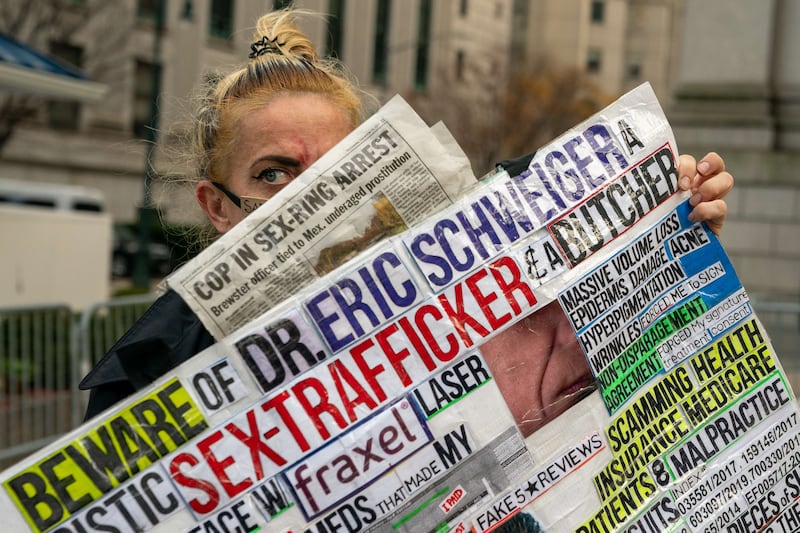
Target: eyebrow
column 280, row 159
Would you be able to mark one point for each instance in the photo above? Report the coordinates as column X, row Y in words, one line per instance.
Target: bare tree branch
column 104, row 26
column 492, row 122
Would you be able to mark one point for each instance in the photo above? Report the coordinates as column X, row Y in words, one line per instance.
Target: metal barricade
column 44, row 353
column 99, row 327
column 782, row 322
column 35, row 377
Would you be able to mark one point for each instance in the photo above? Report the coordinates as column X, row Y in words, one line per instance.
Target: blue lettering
column 601, row 141
column 557, row 200
column 372, row 287
column 530, row 194
column 583, row 163
column 444, row 244
column 416, row 249
column 349, row 309
column 570, row 185
column 404, row 299
column 362, row 301
column 507, row 217
column 484, row 227
column 325, row 322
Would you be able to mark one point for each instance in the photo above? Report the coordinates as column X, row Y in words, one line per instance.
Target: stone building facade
column 726, row 71
column 738, row 92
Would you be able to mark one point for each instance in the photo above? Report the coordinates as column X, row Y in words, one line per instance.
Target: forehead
column 304, row 121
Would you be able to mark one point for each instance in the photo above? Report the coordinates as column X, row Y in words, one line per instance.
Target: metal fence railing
column 97, row 329
column 782, row 322
column 35, row 377
column 45, row 351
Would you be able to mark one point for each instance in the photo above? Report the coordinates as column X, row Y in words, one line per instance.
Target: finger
column 687, row 168
column 711, row 165
column 714, row 188
column 713, row 213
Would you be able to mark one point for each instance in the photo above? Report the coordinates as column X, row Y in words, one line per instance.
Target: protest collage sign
column 562, row 350
column 393, row 171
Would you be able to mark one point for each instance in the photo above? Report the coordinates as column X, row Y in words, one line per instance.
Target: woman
column 257, row 129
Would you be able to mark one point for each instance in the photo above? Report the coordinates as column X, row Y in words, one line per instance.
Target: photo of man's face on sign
column 539, row 366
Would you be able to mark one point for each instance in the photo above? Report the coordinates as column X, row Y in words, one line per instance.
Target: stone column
column 737, row 92
column 787, row 76
column 724, row 87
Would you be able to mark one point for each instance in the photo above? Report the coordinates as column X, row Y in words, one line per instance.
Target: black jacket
column 168, row 334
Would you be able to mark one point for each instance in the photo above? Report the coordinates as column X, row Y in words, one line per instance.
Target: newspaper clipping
column 389, row 174
column 562, row 350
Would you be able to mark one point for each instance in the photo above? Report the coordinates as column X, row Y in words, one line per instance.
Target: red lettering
column 219, row 466
column 459, row 316
column 451, row 501
column 509, row 287
column 184, row 480
column 453, row 348
column 340, row 372
column 370, row 373
column 276, row 402
column 322, row 406
column 416, row 342
column 516, row 283
column 255, row 445
column 485, row 300
column 395, row 358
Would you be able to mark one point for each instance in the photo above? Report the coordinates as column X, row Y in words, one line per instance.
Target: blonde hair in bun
column 283, row 60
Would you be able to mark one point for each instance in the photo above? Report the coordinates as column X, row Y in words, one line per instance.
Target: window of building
column 187, row 10
column 594, row 60
column 463, row 8
column 281, row 4
column 220, row 21
column 380, row 55
column 64, row 115
column 634, row 71
column 145, row 83
column 423, row 45
column 460, row 60
column 519, row 29
column 498, row 10
column 598, row 11
column 335, row 27
column 148, row 9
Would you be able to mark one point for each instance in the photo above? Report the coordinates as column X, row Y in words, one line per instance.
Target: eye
column 274, row 176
